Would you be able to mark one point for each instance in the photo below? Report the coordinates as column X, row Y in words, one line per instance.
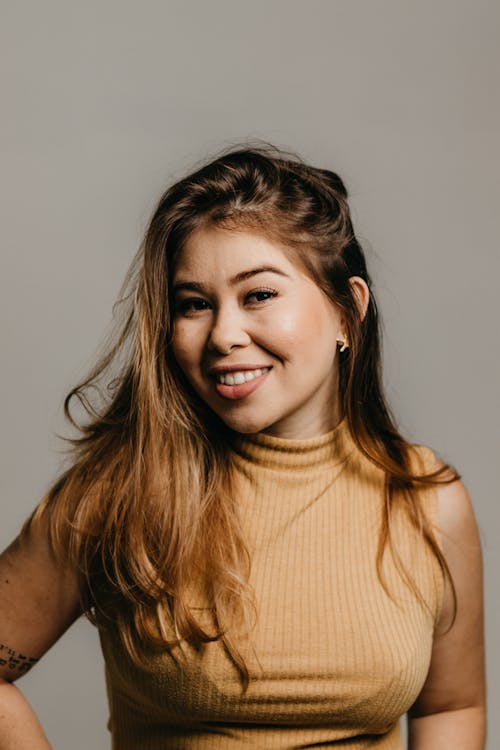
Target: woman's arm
column 39, row 600
column 450, row 711
column 19, row 726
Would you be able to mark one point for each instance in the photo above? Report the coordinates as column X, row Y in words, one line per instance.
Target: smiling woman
column 235, row 330
column 269, row 562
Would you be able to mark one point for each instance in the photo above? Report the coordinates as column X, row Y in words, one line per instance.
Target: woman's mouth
column 236, row 385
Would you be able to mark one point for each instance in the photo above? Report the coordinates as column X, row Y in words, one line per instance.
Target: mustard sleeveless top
column 334, row 660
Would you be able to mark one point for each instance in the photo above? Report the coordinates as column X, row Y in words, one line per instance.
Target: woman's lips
column 233, row 392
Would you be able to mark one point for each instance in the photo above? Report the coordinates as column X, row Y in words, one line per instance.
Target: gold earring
column 344, row 344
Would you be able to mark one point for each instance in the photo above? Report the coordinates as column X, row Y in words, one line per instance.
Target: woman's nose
column 228, row 330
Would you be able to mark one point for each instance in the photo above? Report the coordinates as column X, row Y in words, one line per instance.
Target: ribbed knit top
column 333, row 659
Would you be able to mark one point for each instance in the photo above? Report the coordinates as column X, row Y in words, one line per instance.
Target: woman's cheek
column 294, row 329
column 180, row 345
column 287, row 320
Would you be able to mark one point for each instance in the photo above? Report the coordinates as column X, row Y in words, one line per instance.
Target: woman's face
column 244, row 311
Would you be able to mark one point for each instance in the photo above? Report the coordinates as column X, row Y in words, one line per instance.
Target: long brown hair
column 146, row 504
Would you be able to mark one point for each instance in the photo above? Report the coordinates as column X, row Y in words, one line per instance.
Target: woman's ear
column 361, row 294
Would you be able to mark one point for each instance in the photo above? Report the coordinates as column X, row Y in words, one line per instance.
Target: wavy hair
column 146, row 507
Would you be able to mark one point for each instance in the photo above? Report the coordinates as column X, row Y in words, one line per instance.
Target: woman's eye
column 193, row 304
column 262, row 295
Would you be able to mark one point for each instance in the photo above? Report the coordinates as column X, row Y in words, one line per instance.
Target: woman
column 268, row 561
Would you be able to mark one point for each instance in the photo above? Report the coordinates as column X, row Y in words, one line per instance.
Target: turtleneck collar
column 286, row 454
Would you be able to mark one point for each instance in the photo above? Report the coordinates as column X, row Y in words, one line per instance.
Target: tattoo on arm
column 19, row 663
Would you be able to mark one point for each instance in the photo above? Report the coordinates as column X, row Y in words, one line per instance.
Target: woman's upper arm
column 456, row 678
column 39, row 600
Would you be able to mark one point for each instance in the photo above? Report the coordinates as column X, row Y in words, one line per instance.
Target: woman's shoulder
column 453, row 505
column 39, row 599
column 424, row 459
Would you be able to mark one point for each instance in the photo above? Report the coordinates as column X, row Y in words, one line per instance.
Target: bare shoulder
column 39, row 599
column 456, row 515
column 456, row 676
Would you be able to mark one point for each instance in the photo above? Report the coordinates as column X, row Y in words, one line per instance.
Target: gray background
column 105, row 103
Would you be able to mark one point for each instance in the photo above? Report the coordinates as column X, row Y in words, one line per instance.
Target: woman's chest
column 329, row 644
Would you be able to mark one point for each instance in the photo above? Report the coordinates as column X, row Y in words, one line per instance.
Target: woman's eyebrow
column 243, row 275
column 196, row 286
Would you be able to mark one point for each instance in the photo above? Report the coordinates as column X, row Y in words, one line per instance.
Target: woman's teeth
column 243, row 376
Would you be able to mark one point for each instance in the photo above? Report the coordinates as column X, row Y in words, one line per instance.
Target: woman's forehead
column 232, row 252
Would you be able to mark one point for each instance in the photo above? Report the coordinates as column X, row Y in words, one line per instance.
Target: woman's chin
column 245, row 426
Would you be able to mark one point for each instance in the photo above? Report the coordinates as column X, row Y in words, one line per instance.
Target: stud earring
column 344, row 344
